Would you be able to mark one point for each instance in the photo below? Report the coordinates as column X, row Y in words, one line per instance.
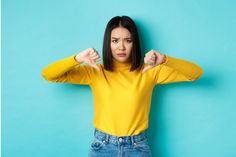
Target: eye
column 129, row 41
column 114, row 41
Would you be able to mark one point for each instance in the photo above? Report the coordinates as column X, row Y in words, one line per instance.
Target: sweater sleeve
column 68, row 70
column 177, row 70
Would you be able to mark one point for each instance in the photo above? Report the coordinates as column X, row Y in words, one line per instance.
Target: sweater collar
column 120, row 65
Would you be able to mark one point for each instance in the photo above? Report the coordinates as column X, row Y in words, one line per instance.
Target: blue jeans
column 106, row 145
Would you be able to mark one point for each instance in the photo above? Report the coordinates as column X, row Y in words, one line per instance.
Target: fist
column 153, row 58
column 89, row 56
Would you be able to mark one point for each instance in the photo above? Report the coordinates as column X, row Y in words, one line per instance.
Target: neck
column 121, row 65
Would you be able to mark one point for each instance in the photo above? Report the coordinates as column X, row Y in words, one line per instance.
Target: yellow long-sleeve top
column 121, row 98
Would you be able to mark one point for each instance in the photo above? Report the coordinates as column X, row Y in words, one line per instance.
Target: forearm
column 191, row 70
column 59, row 68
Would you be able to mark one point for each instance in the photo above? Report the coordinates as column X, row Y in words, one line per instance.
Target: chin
column 122, row 60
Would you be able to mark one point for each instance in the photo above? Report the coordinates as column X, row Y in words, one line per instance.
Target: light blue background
column 42, row 119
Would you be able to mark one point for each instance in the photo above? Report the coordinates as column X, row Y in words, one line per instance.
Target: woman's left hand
column 153, row 58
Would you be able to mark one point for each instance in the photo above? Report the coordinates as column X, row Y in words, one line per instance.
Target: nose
column 121, row 46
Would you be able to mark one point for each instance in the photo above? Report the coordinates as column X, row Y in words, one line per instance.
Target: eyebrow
column 119, row 38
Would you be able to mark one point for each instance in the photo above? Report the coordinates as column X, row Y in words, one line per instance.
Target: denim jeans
column 106, row 145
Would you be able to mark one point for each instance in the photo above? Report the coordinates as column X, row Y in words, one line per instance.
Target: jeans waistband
column 105, row 137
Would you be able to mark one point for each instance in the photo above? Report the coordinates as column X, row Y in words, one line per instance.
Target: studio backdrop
column 45, row 119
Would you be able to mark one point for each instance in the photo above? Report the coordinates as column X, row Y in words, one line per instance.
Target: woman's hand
column 153, row 58
column 89, row 56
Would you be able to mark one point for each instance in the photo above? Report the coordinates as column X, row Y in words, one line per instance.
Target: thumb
column 94, row 65
column 147, row 68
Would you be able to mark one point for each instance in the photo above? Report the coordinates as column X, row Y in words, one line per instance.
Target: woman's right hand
column 89, row 56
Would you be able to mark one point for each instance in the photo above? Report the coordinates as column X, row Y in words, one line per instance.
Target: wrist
column 164, row 59
column 77, row 59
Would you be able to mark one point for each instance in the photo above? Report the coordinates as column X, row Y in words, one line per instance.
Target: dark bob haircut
column 128, row 23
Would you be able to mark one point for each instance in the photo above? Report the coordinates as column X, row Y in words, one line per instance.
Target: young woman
column 122, row 87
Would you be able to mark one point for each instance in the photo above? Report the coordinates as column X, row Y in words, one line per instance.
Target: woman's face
column 121, row 44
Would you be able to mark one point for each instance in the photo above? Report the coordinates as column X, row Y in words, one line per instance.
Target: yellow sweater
column 121, row 98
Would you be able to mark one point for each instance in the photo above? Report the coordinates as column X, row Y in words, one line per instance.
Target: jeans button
column 120, row 139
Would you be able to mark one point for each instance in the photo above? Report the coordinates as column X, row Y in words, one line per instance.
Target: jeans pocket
column 97, row 144
column 142, row 146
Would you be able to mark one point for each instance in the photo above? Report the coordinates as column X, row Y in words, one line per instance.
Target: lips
column 121, row 54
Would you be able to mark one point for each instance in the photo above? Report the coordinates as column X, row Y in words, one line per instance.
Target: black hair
column 128, row 23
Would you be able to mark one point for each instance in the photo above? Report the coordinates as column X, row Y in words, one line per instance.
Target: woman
column 121, row 86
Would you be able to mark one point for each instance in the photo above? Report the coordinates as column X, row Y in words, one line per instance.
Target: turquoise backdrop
column 42, row 119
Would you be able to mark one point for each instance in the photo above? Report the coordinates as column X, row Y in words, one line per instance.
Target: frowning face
column 121, row 44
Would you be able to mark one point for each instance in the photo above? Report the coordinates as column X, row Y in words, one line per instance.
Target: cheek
column 130, row 47
column 113, row 47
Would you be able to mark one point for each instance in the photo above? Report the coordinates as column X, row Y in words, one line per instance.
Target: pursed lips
column 121, row 54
